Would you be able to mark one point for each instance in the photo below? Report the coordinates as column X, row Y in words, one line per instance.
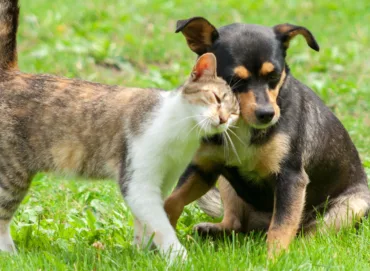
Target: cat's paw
column 145, row 242
column 7, row 245
column 176, row 252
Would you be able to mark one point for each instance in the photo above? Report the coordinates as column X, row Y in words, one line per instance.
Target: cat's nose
column 223, row 119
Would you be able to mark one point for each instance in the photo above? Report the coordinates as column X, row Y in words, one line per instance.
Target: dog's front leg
column 290, row 192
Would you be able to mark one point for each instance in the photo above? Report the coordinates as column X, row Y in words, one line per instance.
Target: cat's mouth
column 217, row 127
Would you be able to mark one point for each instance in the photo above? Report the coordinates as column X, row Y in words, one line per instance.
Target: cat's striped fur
column 142, row 137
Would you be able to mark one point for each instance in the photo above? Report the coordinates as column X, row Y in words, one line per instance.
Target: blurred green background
column 133, row 43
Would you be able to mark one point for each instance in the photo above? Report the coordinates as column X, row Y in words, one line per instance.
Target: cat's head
column 214, row 106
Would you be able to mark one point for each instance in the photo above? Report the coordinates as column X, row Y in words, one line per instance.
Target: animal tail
column 211, row 203
column 9, row 13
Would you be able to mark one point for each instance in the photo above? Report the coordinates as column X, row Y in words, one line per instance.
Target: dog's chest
column 255, row 161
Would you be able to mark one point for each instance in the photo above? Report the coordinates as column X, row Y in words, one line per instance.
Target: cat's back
column 43, row 88
column 47, row 94
column 56, row 103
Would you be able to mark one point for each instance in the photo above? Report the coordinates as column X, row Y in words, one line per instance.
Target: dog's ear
column 206, row 66
column 285, row 32
column 199, row 33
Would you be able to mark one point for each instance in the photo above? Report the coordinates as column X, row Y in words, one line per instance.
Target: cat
column 144, row 138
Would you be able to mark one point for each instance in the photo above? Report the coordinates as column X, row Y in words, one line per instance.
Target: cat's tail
column 9, row 12
column 211, row 203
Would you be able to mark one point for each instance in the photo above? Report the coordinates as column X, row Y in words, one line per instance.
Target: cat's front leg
column 142, row 193
column 142, row 238
column 6, row 241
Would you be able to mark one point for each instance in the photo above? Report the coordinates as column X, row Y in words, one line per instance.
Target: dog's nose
column 265, row 114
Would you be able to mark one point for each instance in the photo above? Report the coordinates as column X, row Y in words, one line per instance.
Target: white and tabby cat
column 143, row 137
column 167, row 139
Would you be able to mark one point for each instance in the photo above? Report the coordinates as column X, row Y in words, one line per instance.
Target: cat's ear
column 206, row 66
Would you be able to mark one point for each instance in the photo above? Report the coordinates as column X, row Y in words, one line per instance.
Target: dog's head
column 251, row 58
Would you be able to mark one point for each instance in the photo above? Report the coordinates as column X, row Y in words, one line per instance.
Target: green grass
column 133, row 43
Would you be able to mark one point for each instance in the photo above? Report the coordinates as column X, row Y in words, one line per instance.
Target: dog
column 289, row 157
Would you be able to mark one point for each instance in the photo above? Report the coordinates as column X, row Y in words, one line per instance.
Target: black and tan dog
column 292, row 156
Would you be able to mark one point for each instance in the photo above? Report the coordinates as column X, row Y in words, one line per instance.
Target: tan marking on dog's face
column 270, row 155
column 274, row 93
column 266, row 68
column 248, row 106
column 242, row 72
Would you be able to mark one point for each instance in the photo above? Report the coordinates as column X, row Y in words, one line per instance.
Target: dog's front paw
column 208, row 229
column 277, row 243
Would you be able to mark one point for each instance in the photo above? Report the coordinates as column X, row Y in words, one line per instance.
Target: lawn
column 66, row 224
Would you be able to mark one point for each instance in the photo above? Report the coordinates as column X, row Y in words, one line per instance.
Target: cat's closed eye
column 217, row 98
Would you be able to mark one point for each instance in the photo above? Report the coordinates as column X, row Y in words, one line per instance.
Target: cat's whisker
column 226, row 146
column 209, row 124
column 204, row 127
column 231, row 78
column 201, row 128
column 233, row 147
column 223, row 140
column 186, row 118
column 233, row 126
column 195, row 126
column 241, row 141
column 177, row 123
column 235, row 83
